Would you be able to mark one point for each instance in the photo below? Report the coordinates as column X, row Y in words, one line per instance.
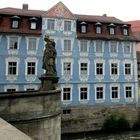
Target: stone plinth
column 48, row 82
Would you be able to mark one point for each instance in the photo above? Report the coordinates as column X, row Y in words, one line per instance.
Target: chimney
column 25, row 6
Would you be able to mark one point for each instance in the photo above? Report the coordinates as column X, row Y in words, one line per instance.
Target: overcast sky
column 125, row 10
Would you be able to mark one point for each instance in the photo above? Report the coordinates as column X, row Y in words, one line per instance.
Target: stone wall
column 90, row 118
column 37, row 114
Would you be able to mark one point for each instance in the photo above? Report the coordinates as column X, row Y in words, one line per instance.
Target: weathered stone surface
column 90, row 118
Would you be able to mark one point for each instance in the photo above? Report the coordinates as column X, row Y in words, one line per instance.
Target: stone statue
column 49, row 57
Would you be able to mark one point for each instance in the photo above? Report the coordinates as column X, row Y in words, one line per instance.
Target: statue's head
column 46, row 37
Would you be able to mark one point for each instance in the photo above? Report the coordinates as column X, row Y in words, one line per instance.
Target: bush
column 136, row 125
column 115, row 124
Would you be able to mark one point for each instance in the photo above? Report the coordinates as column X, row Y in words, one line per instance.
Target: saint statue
column 49, row 57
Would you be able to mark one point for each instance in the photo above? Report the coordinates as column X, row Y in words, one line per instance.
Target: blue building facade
column 21, row 48
column 96, row 59
column 96, row 56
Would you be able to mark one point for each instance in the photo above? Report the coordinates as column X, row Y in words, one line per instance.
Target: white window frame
column 125, row 31
column 33, row 25
column 67, row 53
column 113, row 53
column 51, row 27
column 83, row 101
column 103, row 99
column 124, row 44
column 83, row 28
column 111, row 30
column 11, row 87
column 30, row 86
column 98, row 29
column 84, row 77
column 15, row 24
column 32, row 52
column 99, row 53
column 67, row 28
column 130, row 99
column 71, row 88
column 67, row 76
column 31, row 77
column 114, row 76
column 12, row 76
column 115, row 99
column 13, row 51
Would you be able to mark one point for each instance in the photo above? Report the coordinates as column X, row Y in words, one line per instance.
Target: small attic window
column 98, row 28
column 33, row 23
column 83, row 27
column 15, row 22
column 111, row 29
column 125, row 29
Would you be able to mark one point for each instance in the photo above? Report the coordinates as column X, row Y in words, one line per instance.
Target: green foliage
column 115, row 124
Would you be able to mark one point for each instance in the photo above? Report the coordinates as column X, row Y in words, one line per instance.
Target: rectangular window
column 99, row 68
column 127, row 48
column 125, row 31
column 127, row 69
column 12, row 68
column 83, row 28
column 67, row 68
column 99, row 93
column 113, row 47
column 83, row 45
column 99, row 48
column 67, row 111
column 83, row 93
column 15, row 24
column 112, row 31
column 84, row 67
column 33, row 25
column 67, row 25
column 114, row 92
column 67, row 45
column 128, row 91
column 98, row 30
column 32, row 44
column 50, row 24
column 31, row 68
column 13, row 43
column 114, row 69
column 11, row 90
column 66, row 94
column 30, row 89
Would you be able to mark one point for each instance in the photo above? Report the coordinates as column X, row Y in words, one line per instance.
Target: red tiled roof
column 135, row 25
column 103, row 18
column 21, row 12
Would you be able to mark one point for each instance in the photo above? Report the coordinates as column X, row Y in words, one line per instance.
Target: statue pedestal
column 48, row 82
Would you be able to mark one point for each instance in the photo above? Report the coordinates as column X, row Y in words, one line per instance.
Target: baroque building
column 21, row 48
column 96, row 57
column 96, row 61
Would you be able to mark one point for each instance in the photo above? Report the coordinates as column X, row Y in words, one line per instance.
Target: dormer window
column 111, row 29
column 125, row 30
column 33, row 23
column 98, row 27
column 15, row 22
column 83, row 27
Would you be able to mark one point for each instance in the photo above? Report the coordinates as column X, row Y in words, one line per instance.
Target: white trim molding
column 31, row 78
column 84, row 77
column 84, row 101
column 66, row 102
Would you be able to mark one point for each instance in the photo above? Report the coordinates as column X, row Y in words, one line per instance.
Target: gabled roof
column 60, row 11
column 102, row 19
column 135, row 25
column 21, row 12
